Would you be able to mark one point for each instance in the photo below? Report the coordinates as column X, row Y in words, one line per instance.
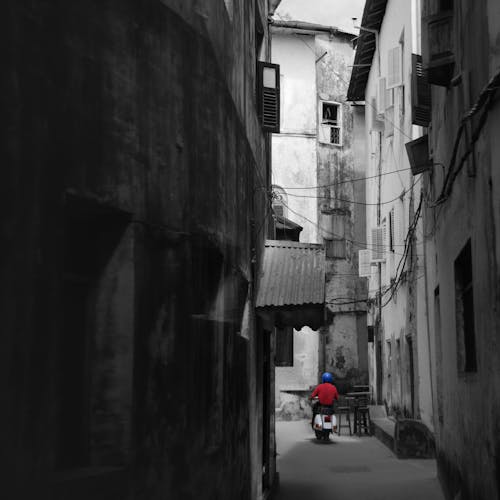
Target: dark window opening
column 371, row 330
column 330, row 114
column 284, row 346
column 464, row 311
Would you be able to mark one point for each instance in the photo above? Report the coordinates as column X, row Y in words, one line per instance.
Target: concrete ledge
column 407, row 438
column 384, row 430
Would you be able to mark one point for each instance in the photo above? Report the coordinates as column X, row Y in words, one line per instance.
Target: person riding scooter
column 326, row 393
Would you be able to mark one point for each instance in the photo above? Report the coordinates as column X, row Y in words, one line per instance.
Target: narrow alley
column 213, row 212
column 347, row 468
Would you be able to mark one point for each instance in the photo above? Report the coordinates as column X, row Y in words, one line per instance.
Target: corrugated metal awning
column 291, row 283
column 373, row 15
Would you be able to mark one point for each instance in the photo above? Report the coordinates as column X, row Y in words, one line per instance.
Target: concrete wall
column 134, row 158
column 294, row 157
column 345, row 345
column 467, row 402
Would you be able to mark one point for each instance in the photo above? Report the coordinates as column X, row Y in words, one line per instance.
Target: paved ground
column 348, row 468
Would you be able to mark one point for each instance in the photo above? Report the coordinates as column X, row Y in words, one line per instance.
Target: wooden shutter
column 420, row 93
column 392, row 231
column 269, row 96
column 381, row 96
column 376, row 124
column 364, row 264
column 394, row 70
column 378, row 243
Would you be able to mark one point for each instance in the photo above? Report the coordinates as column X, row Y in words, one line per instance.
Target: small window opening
column 330, row 128
column 330, row 114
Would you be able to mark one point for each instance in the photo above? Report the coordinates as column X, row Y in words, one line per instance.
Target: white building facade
column 400, row 369
column 314, row 161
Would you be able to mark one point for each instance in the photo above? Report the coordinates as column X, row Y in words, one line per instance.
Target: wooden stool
column 344, row 408
column 362, row 416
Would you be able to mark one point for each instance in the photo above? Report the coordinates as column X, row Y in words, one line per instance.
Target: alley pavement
column 348, row 468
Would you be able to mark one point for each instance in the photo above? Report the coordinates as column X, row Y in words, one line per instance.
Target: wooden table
column 358, row 394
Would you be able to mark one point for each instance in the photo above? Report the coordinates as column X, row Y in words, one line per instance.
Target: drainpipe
column 379, row 269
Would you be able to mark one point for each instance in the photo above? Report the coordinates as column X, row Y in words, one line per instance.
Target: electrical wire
column 357, row 202
column 359, row 244
column 485, row 100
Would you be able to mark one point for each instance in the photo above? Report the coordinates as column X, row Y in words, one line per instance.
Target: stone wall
column 466, row 398
column 134, row 174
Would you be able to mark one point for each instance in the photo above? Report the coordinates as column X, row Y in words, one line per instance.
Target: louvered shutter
column 378, row 243
column 420, row 93
column 392, row 231
column 365, row 268
column 394, row 70
column 376, row 124
column 399, row 236
column 269, row 96
column 381, row 96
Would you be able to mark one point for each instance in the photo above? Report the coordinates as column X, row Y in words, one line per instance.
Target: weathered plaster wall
column 148, row 112
column 294, row 160
column 467, row 434
column 345, row 344
column 304, row 372
column 294, row 149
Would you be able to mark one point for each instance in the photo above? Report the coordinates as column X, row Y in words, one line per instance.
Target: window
column 284, row 346
column 464, row 311
column 370, row 333
column 394, row 67
column 330, row 128
column 268, row 96
column 330, row 113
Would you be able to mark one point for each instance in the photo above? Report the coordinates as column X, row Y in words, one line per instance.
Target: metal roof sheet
column 292, row 274
column 373, row 15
